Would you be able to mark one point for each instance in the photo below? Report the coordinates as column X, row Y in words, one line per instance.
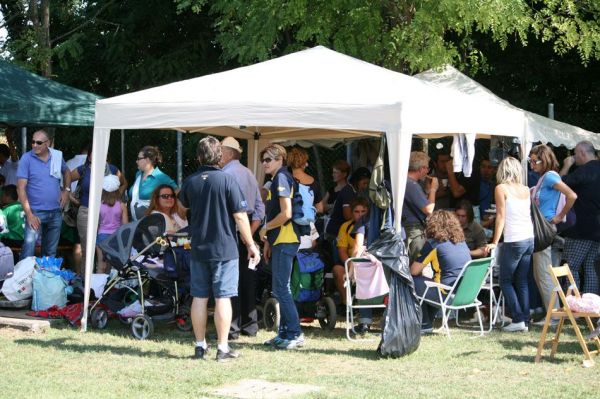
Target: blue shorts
column 214, row 278
column 101, row 237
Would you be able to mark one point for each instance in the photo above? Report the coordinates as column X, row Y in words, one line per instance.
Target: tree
column 407, row 35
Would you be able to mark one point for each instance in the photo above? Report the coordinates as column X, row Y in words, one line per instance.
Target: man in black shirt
column 217, row 206
column 582, row 243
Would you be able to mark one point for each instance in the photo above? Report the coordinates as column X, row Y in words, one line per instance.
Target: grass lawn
column 66, row 363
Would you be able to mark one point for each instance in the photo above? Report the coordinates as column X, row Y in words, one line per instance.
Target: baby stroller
column 161, row 292
column 307, row 282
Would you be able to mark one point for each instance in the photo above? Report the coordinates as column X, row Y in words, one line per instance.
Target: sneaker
column 427, row 330
column 516, row 327
column 362, row 328
column 226, row 356
column 199, row 352
column 291, row 343
column 273, row 341
column 553, row 322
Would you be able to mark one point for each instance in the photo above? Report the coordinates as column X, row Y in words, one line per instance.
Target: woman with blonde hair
column 513, row 217
column 547, row 196
column 447, row 252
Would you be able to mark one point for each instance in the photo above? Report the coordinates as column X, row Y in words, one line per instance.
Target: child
column 113, row 214
column 13, row 233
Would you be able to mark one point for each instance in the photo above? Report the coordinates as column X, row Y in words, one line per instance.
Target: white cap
column 110, row 183
column 231, row 143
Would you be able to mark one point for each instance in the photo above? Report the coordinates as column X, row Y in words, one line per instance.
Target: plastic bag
column 49, row 290
column 402, row 323
column 370, row 280
column 19, row 286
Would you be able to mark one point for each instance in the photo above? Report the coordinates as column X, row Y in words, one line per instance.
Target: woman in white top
column 164, row 201
column 513, row 217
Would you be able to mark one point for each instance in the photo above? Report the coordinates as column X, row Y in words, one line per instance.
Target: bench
column 65, row 251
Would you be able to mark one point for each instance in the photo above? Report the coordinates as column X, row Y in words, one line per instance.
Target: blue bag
column 49, row 290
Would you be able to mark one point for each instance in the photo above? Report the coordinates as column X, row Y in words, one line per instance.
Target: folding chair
column 565, row 312
column 351, row 301
column 463, row 294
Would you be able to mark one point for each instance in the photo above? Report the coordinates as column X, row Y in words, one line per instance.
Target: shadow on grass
column 63, row 344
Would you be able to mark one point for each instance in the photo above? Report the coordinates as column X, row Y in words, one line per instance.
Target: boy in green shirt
column 13, row 233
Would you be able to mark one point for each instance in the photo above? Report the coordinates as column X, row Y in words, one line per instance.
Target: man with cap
column 244, row 318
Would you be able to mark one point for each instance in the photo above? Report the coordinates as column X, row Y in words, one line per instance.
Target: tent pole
column 179, row 158
column 123, row 151
column 23, row 140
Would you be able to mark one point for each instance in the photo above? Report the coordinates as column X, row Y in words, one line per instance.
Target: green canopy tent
column 27, row 99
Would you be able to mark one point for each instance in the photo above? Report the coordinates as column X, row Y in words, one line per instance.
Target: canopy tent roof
column 312, row 94
column 538, row 128
column 27, row 99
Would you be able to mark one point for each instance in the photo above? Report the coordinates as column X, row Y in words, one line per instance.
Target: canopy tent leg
column 179, row 158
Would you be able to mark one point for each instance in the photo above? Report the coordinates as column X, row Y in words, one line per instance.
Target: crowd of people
column 492, row 210
column 447, row 220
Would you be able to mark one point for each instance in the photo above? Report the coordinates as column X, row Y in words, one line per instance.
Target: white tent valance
column 537, row 127
column 316, row 93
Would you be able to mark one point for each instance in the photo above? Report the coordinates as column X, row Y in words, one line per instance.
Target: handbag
column 543, row 231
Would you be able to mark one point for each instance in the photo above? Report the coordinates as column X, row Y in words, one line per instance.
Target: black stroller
column 162, row 292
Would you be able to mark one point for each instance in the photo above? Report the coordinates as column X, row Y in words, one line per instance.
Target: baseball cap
column 231, row 143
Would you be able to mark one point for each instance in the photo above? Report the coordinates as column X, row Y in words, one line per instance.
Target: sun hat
column 231, row 143
column 111, row 183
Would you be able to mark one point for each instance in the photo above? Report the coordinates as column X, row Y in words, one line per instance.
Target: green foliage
column 405, row 35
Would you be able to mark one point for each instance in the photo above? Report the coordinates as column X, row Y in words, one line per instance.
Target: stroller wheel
column 329, row 311
column 99, row 318
column 142, row 326
column 184, row 318
column 271, row 315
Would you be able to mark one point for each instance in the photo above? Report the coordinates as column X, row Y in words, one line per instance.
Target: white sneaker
column 516, row 327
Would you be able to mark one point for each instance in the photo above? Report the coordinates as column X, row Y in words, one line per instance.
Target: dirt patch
column 255, row 389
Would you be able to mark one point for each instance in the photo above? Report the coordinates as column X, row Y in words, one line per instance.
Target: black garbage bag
column 402, row 324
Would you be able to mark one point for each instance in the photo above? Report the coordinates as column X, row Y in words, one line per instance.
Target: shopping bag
column 49, row 290
column 19, row 286
column 370, row 280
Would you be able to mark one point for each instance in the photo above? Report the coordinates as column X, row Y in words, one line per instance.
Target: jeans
column 514, row 259
column 282, row 258
column 542, row 274
column 50, row 224
column 428, row 311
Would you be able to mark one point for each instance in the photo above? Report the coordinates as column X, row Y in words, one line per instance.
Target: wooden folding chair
column 565, row 312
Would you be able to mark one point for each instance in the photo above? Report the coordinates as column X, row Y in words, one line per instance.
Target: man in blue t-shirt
column 418, row 203
column 42, row 195
column 217, row 207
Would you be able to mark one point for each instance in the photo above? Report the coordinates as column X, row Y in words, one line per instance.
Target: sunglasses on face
column 140, row 158
column 267, row 160
column 167, row 196
column 534, row 161
column 37, row 142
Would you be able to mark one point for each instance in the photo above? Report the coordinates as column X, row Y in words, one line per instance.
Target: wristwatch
column 67, row 189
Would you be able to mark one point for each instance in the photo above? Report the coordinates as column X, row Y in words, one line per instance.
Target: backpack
column 378, row 192
column 307, row 277
column 303, row 211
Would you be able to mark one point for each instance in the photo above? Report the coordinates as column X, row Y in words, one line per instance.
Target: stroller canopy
column 138, row 235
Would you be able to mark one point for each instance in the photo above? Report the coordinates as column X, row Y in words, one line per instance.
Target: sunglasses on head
column 37, row 142
column 167, row 196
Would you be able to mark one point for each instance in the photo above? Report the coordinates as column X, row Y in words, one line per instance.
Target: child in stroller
column 307, row 284
column 160, row 293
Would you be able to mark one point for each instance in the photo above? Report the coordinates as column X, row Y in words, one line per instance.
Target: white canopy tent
column 537, row 128
column 312, row 94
